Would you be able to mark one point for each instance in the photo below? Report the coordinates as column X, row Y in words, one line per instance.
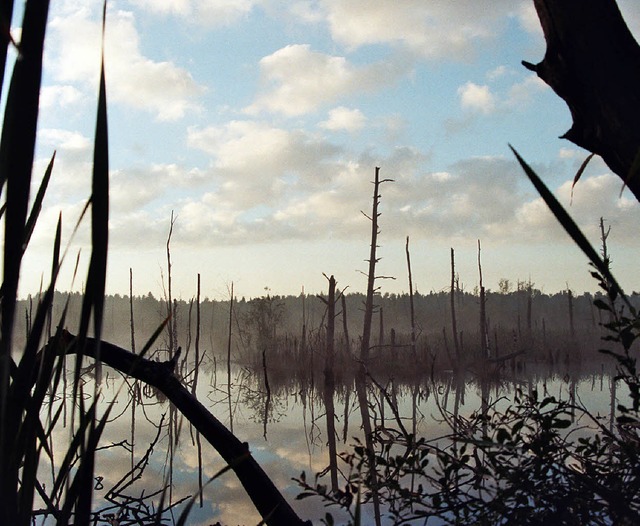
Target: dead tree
column 484, row 331
column 267, row 499
column 361, row 376
column 412, row 311
column 454, row 325
column 329, row 380
column 592, row 62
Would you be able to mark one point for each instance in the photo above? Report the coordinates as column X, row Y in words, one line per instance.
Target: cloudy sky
column 259, row 124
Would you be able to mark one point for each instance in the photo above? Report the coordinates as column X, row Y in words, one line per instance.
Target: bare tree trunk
column 371, row 275
column 413, row 317
column 194, row 388
column 361, row 376
column 269, row 502
column 329, row 384
column 170, row 326
column 570, row 305
column 345, row 325
column 134, row 387
column 229, row 358
column 484, row 335
column 454, row 325
column 197, row 340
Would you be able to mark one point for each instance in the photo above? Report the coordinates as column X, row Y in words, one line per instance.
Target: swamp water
column 285, row 426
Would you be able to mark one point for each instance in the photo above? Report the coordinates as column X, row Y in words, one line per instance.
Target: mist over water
column 286, row 427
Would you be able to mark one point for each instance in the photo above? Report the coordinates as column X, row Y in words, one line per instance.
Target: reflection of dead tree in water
column 135, row 387
column 125, row 504
column 194, row 385
column 269, row 502
column 230, row 329
column 267, row 402
column 329, row 379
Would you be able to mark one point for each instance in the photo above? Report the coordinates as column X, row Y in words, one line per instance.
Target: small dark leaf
column 601, row 305
column 559, row 423
column 502, row 435
column 580, row 172
column 304, row 495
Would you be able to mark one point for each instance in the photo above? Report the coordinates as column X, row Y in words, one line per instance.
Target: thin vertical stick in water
column 229, row 359
column 197, row 340
column 303, row 338
column 170, row 325
column 329, row 382
column 267, row 402
column 484, row 334
column 194, row 388
column 413, row 318
column 454, row 325
column 134, row 386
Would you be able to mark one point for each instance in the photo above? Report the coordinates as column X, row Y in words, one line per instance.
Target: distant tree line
column 517, row 319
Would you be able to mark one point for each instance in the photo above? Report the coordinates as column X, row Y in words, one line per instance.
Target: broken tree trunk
column 267, row 499
column 593, row 62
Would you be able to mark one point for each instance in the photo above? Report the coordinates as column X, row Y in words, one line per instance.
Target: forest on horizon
column 522, row 320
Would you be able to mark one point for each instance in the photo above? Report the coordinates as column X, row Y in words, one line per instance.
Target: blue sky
column 259, row 124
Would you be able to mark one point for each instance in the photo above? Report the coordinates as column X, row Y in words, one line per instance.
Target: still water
column 285, row 424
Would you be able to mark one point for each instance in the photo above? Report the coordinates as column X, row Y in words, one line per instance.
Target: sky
column 258, row 124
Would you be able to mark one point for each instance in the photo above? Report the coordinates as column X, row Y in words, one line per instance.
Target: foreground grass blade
column 568, row 224
column 17, row 145
column 94, row 294
column 6, row 13
column 17, row 151
column 37, row 204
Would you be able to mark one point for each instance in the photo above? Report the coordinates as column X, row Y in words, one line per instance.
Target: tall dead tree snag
column 593, row 62
column 365, row 341
column 484, row 332
column 454, row 324
column 371, row 275
column 413, row 317
column 171, row 311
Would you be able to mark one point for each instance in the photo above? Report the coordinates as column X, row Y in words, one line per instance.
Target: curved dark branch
column 267, row 499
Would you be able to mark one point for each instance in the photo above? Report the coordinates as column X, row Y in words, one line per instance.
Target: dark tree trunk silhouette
column 267, row 499
column 593, row 62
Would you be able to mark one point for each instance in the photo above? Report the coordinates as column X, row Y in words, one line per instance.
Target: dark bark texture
column 592, row 62
column 268, row 500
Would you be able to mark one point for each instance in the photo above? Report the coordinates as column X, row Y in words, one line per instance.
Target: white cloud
column 497, row 72
column 254, row 163
column 299, row 80
column 161, row 88
column 165, row 7
column 131, row 189
column 433, row 29
column 476, row 98
column 342, row 118
column 593, row 197
column 484, row 99
column 568, row 153
column 64, row 139
column 528, row 17
column 523, row 92
column 204, row 12
column 61, row 96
